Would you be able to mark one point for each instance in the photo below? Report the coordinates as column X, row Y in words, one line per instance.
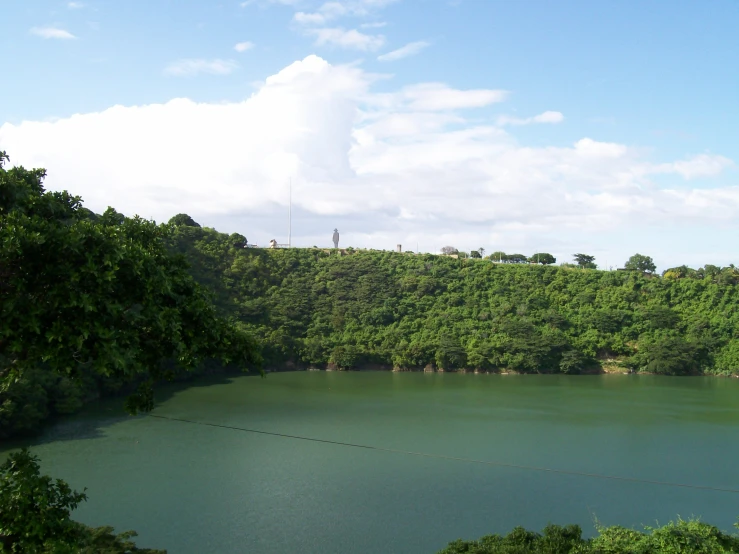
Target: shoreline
column 432, row 369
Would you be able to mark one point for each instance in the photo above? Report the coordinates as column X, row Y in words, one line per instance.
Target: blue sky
column 470, row 138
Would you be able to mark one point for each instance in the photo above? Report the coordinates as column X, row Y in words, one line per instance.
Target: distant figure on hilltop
column 336, row 238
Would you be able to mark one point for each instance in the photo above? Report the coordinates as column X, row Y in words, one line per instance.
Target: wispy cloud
column 347, row 39
column 191, row 67
column 329, row 11
column 410, row 49
column 546, row 117
column 243, row 46
column 52, row 32
column 314, row 18
column 374, row 25
column 702, row 165
column 75, row 5
column 246, row 3
column 430, row 97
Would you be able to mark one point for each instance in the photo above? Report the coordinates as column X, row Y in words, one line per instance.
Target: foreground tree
column 82, row 296
column 638, row 262
column 35, row 515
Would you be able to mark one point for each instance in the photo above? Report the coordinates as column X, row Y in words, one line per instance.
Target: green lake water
column 199, row 489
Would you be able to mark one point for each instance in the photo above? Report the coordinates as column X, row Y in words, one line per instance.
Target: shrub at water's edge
column 684, row 537
column 35, row 515
column 314, row 307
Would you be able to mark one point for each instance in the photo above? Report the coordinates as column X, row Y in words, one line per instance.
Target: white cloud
column 410, row 49
column 546, row 117
column 436, row 97
column 329, row 11
column 75, row 5
column 309, row 18
column 243, row 46
column 386, row 168
column 347, row 39
column 190, row 67
column 702, row 165
column 52, row 32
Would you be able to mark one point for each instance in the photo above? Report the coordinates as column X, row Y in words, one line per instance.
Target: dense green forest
column 93, row 304
column 354, row 308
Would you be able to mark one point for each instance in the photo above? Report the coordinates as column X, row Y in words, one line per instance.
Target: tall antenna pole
column 290, row 215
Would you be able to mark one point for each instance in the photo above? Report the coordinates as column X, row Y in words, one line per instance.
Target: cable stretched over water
column 453, row 458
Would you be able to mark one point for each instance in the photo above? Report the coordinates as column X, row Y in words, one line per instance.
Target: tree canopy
column 642, row 263
column 35, row 515
column 183, row 219
column 586, row 261
column 543, row 258
column 681, row 536
column 82, row 298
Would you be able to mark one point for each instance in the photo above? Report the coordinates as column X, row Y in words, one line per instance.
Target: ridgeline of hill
column 325, row 308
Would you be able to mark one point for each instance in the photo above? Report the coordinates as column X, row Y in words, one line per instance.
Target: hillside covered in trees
column 94, row 304
column 348, row 309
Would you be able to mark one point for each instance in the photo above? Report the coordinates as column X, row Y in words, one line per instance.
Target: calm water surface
column 197, row 489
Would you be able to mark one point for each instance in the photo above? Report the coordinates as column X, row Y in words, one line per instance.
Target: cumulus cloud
column 352, row 38
column 243, row 46
column 52, row 32
column 410, row 49
column 386, row 168
column 546, row 117
column 191, row 67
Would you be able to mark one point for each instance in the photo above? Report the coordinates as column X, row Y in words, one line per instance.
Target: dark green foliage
column 86, row 301
column 372, row 307
column 638, row 262
column 542, row 258
column 35, row 515
column 516, row 259
column 681, row 537
column 668, row 355
column 183, row 219
column 585, row 261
